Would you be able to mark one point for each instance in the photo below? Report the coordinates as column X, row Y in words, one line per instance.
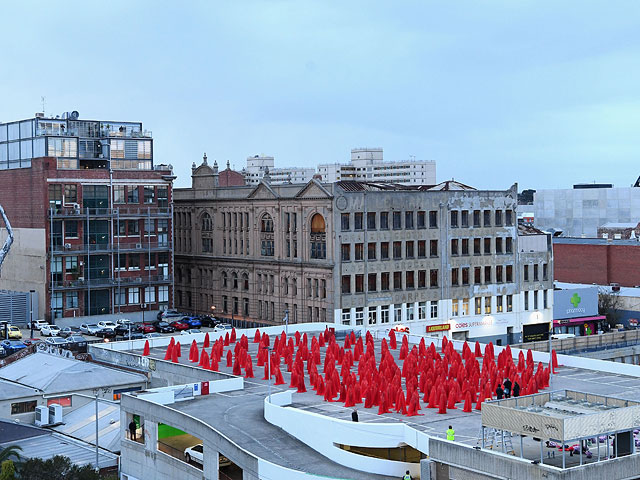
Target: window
column 163, row 293
column 509, row 303
column 149, row 193
column 498, row 245
column 397, row 250
column 535, row 299
column 163, row 197
column 487, row 305
column 384, row 281
column 71, row 264
column 384, row 220
column 465, row 218
column 422, row 248
column 359, row 283
column 371, row 251
column 372, row 315
column 525, row 271
column 132, row 194
column 397, row 313
column 476, row 218
column 23, row 407
column 318, row 237
column 454, row 219
column 410, row 280
column 487, row 274
column 422, row 310
column 433, row 248
column 487, row 246
column 235, row 306
column 358, row 221
column 225, row 278
column 55, row 196
column 397, row 220
column 267, row 247
column 384, row 314
column 499, row 304
column 225, row 304
column 133, row 228
column 478, row 301
column 422, row 278
column 433, row 219
column 499, row 274
column 526, row 300
column 346, row 252
column 234, row 280
column 509, row 245
column 465, row 275
column 455, row 308
column 433, row 307
column 508, row 218
column 535, row 273
column 346, row 316
column 384, row 250
column 359, row 251
column 454, row 246
column 498, row 218
column 409, row 311
column 71, row 229
column 454, row 277
column 118, row 194
column 72, row 300
column 134, row 261
column 545, row 302
column 346, row 284
column 408, row 220
column 509, row 273
column 245, row 281
column 150, row 295
column 409, row 250
column 433, row 277
column 70, row 194
column 476, row 246
column 397, row 280
column 134, row 296
column 359, row 315
column 477, row 274
column 422, row 219
column 344, row 222
column 266, row 224
column 545, row 272
column 465, row 246
column 371, row 220
column 487, row 218
column 465, row 306
column 62, row 401
column 372, row 284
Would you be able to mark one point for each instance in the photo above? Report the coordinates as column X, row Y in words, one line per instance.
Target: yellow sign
column 438, row 328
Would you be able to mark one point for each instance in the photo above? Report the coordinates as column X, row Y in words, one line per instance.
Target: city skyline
column 544, row 93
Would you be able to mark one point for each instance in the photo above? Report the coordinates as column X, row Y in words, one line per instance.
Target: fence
column 586, row 343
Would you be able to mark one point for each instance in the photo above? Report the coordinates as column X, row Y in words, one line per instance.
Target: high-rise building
column 367, row 164
column 91, row 212
column 260, row 165
column 443, row 258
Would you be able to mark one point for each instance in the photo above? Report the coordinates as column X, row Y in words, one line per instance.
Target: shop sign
column 438, row 328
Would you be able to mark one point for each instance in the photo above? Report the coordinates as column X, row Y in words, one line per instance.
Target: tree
column 8, row 470
column 609, row 305
column 56, row 468
column 10, row 451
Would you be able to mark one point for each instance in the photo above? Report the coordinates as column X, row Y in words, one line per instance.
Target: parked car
column 3, row 353
column 58, row 341
column 123, row 329
column 76, row 343
column 106, row 333
column 49, row 330
column 208, row 321
column 89, row 328
column 14, row 332
column 152, row 335
column 134, row 336
column 37, row 324
column 12, row 346
column 190, row 331
column 170, row 313
column 192, row 321
column 194, row 454
column 69, row 331
column 31, row 341
column 221, row 327
column 107, row 324
column 163, row 327
column 123, row 321
column 179, row 325
column 146, row 328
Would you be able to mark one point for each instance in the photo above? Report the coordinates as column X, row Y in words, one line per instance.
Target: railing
column 108, row 212
column 142, row 245
column 112, row 282
column 587, row 342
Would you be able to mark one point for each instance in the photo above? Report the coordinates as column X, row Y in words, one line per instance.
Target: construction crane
column 9, row 241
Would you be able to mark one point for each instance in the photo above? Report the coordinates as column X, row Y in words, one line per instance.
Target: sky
column 542, row 93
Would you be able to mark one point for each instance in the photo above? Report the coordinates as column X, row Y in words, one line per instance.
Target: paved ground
column 240, row 415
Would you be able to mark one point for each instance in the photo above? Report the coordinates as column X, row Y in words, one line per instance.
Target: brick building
column 597, row 260
column 93, row 217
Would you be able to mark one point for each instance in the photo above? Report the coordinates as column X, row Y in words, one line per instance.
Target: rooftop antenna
column 42, row 100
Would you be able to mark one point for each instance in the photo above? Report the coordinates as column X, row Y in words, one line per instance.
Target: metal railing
column 111, row 282
column 587, row 342
column 142, row 245
column 152, row 211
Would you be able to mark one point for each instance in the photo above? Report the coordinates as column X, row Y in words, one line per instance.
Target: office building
column 91, row 212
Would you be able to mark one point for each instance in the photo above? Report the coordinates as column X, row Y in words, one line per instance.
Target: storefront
column 575, row 311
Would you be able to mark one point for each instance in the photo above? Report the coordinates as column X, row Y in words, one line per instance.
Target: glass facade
column 76, row 144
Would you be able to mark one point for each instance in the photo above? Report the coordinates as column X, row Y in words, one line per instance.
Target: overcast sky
column 543, row 93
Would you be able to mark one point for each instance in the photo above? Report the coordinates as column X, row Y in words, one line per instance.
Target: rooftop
column 632, row 242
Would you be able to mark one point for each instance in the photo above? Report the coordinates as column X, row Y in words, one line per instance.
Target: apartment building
column 92, row 215
column 260, row 165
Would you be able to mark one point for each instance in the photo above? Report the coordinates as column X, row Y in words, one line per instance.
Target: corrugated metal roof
column 53, row 374
column 10, row 390
column 80, row 424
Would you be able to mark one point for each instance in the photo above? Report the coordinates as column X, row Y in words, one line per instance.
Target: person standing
column 407, row 476
column 451, row 434
column 132, row 430
column 507, row 388
column 499, row 392
column 354, row 415
column 516, row 389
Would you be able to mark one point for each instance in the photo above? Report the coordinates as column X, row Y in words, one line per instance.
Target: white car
column 222, row 327
column 123, row 321
column 108, row 324
column 56, row 341
column 89, row 328
column 194, row 454
column 49, row 330
column 37, row 324
column 190, row 331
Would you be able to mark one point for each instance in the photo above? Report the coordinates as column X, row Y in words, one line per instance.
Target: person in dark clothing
column 407, row 476
column 132, row 430
column 499, row 392
column 507, row 388
column 516, row 389
column 354, row 415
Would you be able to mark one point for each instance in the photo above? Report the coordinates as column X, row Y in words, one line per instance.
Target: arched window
column 318, row 237
column 245, row 281
column 266, row 236
column 234, row 279
column 224, row 279
column 206, row 223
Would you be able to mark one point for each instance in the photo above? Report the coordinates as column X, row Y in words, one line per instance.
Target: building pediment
column 313, row 189
column 263, row 191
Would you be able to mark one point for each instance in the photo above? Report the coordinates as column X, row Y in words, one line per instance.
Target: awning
column 579, row 320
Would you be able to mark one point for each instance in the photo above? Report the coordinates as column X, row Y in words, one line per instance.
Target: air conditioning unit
column 67, row 246
column 138, row 245
column 42, row 415
column 55, row 413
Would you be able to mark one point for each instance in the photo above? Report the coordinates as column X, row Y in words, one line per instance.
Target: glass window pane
column 26, row 149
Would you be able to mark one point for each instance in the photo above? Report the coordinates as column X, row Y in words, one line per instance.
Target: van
column 562, row 336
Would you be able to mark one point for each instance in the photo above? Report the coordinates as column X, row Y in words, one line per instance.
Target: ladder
column 494, row 440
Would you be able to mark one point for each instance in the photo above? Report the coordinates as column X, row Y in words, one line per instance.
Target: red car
column 180, row 325
column 147, row 328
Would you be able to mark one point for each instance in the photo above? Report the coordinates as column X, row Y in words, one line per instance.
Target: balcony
column 124, row 212
column 144, row 245
column 82, row 284
column 139, row 212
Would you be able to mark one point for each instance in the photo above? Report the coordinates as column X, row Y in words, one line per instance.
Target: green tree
column 8, row 470
column 9, row 452
column 56, row 468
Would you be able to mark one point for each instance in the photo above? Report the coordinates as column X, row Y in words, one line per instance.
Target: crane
column 9, row 241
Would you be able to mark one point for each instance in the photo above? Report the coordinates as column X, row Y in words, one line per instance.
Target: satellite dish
column 75, row 115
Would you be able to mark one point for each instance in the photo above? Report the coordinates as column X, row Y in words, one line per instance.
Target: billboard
column 575, row 303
